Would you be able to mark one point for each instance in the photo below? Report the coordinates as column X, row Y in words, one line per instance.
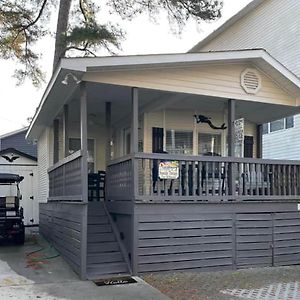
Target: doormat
column 115, row 281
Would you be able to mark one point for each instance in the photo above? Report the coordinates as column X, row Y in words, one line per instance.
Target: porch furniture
column 96, row 186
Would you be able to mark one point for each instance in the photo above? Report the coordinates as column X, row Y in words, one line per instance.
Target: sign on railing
column 168, row 169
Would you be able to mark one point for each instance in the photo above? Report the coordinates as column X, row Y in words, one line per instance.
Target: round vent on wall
column 251, row 81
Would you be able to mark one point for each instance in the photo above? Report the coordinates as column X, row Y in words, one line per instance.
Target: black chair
column 96, row 186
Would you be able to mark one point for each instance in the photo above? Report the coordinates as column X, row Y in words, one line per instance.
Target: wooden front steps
column 104, row 255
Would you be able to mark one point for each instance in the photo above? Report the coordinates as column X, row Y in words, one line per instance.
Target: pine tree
column 23, row 22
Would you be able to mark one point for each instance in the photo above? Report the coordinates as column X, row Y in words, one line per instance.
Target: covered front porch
column 179, row 193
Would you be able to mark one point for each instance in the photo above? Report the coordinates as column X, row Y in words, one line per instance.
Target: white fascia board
column 247, row 9
column 285, row 72
column 44, row 97
column 171, row 60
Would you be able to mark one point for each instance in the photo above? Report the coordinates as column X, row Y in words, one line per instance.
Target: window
column 75, row 145
column 209, row 144
column 289, row 122
column 179, row 142
column 265, row 128
column 277, row 125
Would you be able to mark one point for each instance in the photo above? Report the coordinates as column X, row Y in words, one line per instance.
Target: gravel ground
column 208, row 286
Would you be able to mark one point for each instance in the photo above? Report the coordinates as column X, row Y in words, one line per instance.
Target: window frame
column 285, row 125
column 218, row 134
column 190, row 131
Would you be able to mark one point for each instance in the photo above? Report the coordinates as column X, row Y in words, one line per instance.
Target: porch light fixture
column 66, row 79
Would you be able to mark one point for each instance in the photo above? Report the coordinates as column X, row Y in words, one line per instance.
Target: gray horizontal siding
column 253, row 240
column 61, row 225
column 166, row 242
column 287, row 239
column 216, row 237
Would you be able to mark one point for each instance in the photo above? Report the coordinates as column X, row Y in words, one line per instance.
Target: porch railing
column 65, row 179
column 119, row 179
column 203, row 178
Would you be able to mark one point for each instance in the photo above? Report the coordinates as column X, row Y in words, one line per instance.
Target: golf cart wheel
column 20, row 238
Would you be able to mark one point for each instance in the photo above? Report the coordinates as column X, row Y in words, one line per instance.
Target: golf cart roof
column 10, row 178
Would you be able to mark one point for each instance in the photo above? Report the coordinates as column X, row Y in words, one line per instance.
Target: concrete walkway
column 27, row 275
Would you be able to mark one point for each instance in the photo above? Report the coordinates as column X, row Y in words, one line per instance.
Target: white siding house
column 282, row 143
column 270, row 24
column 274, row 26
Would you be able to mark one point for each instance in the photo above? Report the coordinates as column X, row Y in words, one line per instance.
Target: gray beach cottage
column 153, row 163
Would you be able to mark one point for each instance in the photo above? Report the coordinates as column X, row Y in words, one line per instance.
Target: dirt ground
column 262, row 283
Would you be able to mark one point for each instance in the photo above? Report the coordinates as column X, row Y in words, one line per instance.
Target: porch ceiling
column 154, row 100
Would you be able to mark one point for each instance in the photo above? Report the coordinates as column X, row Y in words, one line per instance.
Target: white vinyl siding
column 216, row 80
column 283, row 144
column 273, row 25
column 43, row 148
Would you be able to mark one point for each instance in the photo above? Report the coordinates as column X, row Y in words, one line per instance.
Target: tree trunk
column 62, row 26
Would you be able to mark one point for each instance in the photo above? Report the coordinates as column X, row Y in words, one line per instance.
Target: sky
column 18, row 103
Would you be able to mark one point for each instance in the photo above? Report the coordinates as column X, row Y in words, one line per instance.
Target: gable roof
column 56, row 93
column 13, row 132
column 13, row 150
column 248, row 8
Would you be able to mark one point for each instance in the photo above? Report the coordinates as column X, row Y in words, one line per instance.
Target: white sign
column 168, row 169
column 239, row 130
column 239, row 137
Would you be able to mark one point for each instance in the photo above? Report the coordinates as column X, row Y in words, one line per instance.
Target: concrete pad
column 26, row 275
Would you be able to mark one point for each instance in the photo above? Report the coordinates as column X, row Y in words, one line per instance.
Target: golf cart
column 11, row 214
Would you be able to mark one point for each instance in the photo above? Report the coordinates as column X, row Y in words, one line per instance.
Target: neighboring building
column 274, row 26
column 177, row 197
column 281, row 139
column 268, row 24
column 16, row 139
column 19, row 156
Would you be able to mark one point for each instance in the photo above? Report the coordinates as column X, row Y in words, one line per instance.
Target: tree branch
column 38, row 16
column 82, row 10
